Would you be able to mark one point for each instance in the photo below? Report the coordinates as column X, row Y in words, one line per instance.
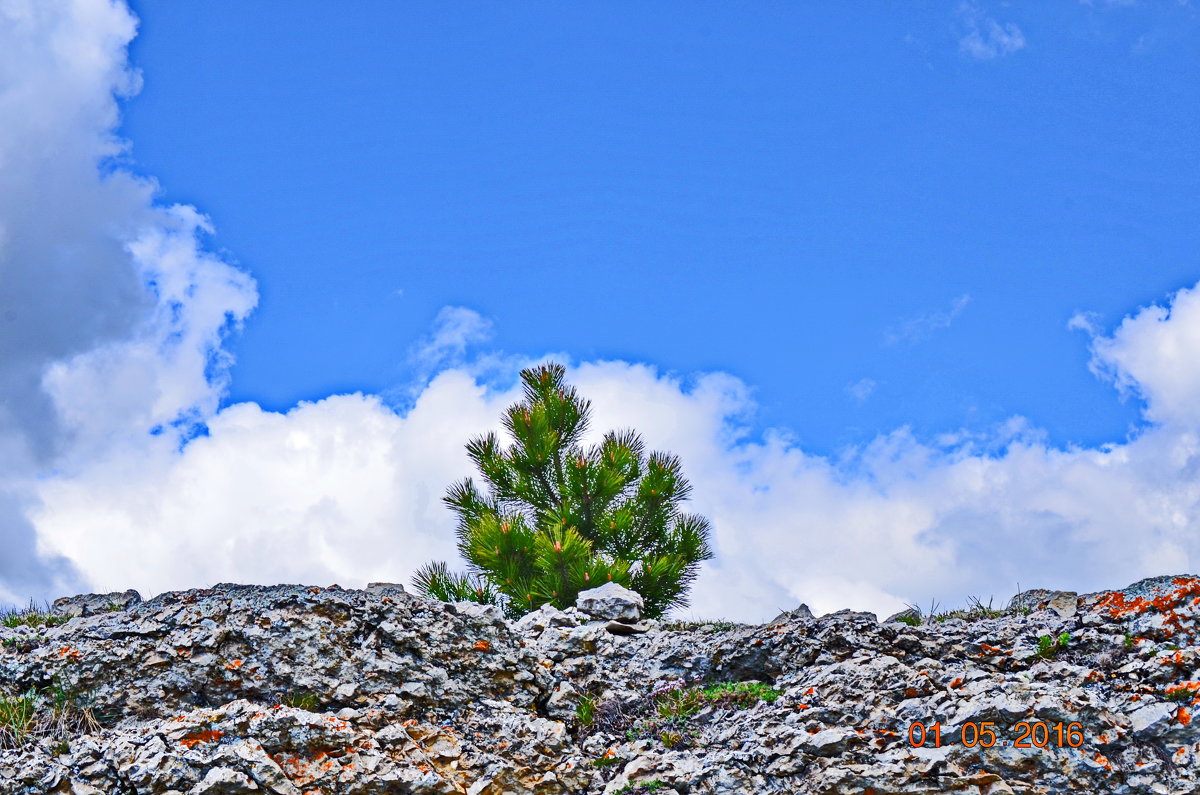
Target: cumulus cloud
column 110, row 315
column 1153, row 354
column 984, row 38
column 921, row 327
column 118, row 468
column 347, row 490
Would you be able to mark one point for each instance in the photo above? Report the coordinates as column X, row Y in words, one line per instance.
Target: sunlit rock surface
column 293, row 689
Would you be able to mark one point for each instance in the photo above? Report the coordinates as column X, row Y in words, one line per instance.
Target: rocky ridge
column 292, row 689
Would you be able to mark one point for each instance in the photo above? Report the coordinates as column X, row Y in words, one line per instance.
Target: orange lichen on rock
column 1183, row 717
column 193, row 739
column 482, row 645
column 233, row 665
column 1118, row 606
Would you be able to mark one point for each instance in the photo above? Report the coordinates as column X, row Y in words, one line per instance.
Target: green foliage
column 585, row 710
column 1128, row 641
column 975, row 610
column 740, row 694
column 642, row 787
column 31, row 616
column 672, row 704
column 557, row 519
column 1180, row 693
column 56, row 711
column 607, row 759
column 680, row 703
column 301, row 699
column 910, row 619
column 1048, row 647
column 18, row 714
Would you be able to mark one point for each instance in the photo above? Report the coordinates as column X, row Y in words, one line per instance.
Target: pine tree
column 558, row 519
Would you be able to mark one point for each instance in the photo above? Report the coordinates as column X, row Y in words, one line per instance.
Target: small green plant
column 1048, row 648
column 18, row 714
column 641, row 787
column 975, row 610
column 910, row 619
column 1128, row 641
column 301, row 699
column 31, row 616
column 585, row 710
column 680, row 703
column 673, row 703
column 607, row 759
column 1179, row 693
column 55, row 711
column 740, row 694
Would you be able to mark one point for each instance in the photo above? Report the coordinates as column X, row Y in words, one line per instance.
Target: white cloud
column 1154, row 354
column 984, row 38
column 454, row 329
column 861, row 389
column 347, row 490
column 110, row 315
column 922, row 327
column 125, row 340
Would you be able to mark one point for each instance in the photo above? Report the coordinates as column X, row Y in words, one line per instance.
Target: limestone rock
column 295, row 690
column 611, row 602
column 90, row 604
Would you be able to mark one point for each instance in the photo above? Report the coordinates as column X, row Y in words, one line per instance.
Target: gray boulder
column 90, row 604
column 611, row 602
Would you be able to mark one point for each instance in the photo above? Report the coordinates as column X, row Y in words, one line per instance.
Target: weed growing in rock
column 1048, row 648
column 1182, row 692
column 31, row 616
column 56, row 711
column 666, row 711
column 585, row 710
column 301, row 699
column 975, row 610
column 642, row 787
column 607, row 759
column 17, row 716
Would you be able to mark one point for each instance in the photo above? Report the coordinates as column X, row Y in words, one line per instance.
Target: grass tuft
column 56, row 711
column 301, row 699
column 31, row 616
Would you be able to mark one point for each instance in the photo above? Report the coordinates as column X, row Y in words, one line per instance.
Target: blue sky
column 913, row 289
column 796, row 194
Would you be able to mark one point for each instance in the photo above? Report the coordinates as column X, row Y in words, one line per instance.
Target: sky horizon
column 912, row 291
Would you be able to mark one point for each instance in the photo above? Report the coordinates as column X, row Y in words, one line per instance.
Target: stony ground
column 290, row 689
